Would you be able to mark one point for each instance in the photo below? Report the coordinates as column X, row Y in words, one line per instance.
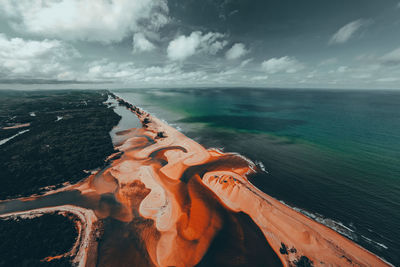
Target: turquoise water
column 334, row 155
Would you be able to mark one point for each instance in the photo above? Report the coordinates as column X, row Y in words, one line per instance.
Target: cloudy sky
column 200, row 43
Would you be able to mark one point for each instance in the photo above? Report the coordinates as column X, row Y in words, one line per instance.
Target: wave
column 334, row 225
column 348, row 231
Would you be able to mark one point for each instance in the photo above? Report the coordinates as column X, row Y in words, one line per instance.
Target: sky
column 345, row 44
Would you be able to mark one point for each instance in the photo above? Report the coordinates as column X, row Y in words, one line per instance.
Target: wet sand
column 167, row 199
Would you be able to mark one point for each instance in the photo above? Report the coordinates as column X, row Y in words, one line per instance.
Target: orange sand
column 179, row 225
column 168, row 180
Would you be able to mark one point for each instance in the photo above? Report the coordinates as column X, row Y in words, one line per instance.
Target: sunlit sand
column 170, row 182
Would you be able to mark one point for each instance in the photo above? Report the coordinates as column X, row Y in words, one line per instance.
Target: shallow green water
column 333, row 154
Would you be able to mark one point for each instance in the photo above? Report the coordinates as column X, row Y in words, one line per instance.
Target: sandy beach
column 168, row 191
column 292, row 235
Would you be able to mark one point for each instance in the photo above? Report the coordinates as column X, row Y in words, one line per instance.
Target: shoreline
column 163, row 177
column 283, row 227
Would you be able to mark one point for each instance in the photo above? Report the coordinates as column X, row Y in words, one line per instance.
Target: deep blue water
column 334, row 155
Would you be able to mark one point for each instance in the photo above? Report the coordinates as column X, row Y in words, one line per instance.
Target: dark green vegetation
column 27, row 242
column 52, row 151
column 304, row 262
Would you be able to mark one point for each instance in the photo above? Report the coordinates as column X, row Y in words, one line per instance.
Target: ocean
column 333, row 155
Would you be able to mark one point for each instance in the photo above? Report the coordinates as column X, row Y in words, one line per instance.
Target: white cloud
column 236, row 51
column 388, row 79
column 347, row 31
column 183, row 47
column 329, row 61
column 171, row 74
column 128, row 72
column 312, row 74
column 94, row 20
column 30, row 58
column 342, row 69
column 141, row 44
column 283, row 64
column 260, row 78
column 212, row 42
column 246, row 62
column 391, row 58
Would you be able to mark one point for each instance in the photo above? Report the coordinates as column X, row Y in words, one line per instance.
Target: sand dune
column 293, row 236
column 167, row 191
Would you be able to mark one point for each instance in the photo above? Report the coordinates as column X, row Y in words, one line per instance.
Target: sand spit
column 290, row 233
column 171, row 198
column 294, row 237
column 84, row 244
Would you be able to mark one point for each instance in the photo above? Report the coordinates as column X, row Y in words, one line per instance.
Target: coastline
column 175, row 188
column 283, row 227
